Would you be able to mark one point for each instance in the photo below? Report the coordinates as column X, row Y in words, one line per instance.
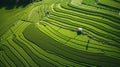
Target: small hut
column 79, row 30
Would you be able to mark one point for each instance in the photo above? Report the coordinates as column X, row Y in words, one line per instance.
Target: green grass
column 44, row 34
column 110, row 3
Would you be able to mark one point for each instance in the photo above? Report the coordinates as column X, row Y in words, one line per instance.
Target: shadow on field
column 79, row 32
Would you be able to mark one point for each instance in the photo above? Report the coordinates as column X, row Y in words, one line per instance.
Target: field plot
column 61, row 33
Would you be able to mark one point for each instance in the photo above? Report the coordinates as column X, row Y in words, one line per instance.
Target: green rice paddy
column 44, row 34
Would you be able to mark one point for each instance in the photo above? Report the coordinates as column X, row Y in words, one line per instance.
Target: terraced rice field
column 44, row 34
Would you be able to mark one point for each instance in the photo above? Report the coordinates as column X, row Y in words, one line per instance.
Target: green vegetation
column 9, row 4
column 110, row 3
column 44, row 33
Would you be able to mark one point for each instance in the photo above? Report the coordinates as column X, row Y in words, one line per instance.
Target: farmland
column 44, row 33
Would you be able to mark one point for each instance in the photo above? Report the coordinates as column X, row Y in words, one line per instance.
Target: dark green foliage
column 2, row 64
column 11, row 3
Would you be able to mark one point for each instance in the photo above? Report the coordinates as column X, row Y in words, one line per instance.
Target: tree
column 12, row 3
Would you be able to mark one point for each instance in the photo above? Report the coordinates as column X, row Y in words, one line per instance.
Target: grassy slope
column 9, row 17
